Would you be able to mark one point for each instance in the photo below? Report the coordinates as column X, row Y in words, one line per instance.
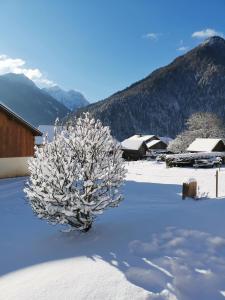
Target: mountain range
column 158, row 104
column 73, row 100
column 161, row 103
column 36, row 105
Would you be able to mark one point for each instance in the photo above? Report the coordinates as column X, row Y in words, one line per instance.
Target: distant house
column 135, row 146
column 206, row 145
column 16, row 143
column 156, row 145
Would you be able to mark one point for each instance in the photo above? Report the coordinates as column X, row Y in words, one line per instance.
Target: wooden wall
column 16, row 140
column 159, row 145
column 219, row 147
column 134, row 154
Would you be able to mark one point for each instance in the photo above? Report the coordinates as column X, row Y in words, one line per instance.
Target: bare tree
column 199, row 125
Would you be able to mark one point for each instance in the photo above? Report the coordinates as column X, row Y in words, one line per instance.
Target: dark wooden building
column 135, row 154
column 134, row 147
column 16, row 141
column 207, row 145
column 156, row 145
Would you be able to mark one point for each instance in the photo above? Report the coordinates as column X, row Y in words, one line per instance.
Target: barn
column 16, row 143
column 156, row 145
column 133, row 148
column 206, row 145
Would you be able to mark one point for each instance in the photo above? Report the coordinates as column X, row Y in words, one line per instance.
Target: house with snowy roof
column 16, row 143
column 155, row 145
column 135, row 147
column 206, row 145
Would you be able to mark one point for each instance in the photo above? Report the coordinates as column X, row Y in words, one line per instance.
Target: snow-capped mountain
column 21, row 95
column 71, row 99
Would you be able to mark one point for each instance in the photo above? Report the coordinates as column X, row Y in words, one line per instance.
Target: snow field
column 153, row 246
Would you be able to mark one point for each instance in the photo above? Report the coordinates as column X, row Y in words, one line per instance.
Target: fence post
column 189, row 190
column 184, row 190
column 217, row 181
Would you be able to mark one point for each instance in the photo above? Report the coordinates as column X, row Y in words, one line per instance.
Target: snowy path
column 154, row 246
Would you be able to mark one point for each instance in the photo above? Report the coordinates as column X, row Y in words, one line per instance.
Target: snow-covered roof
column 144, row 137
column 153, row 142
column 132, row 144
column 203, row 145
column 45, row 129
column 135, row 141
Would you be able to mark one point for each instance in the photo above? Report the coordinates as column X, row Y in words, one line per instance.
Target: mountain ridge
column 162, row 101
column 72, row 99
column 22, row 96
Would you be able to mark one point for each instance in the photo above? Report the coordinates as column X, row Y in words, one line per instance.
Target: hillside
column 161, row 103
column 21, row 95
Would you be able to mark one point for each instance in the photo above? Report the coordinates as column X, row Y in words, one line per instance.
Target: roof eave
column 20, row 119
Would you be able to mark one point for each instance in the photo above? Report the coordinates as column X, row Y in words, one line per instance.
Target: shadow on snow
column 154, row 238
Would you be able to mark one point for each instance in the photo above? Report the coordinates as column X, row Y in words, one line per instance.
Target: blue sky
column 98, row 46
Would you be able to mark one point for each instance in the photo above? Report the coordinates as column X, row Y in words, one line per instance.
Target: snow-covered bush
column 77, row 175
column 199, row 125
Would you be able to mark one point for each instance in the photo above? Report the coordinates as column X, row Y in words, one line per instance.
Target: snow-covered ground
column 153, row 246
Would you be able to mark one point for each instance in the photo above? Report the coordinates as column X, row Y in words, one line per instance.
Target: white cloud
column 182, row 48
column 206, row 33
column 151, row 36
column 18, row 66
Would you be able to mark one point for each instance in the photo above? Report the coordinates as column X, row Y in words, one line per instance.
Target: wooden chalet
column 17, row 140
column 156, row 145
column 134, row 147
column 206, row 145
